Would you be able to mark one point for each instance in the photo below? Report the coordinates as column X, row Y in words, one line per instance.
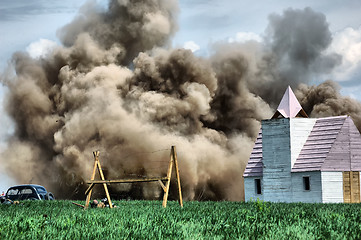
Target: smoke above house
column 116, row 85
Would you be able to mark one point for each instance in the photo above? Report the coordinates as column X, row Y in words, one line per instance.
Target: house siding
column 250, row 189
column 276, row 160
column 332, row 187
column 314, row 195
column 300, row 130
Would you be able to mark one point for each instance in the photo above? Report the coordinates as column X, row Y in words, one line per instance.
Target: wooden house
column 301, row 159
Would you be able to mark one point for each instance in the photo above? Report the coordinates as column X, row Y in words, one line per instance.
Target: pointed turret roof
column 289, row 106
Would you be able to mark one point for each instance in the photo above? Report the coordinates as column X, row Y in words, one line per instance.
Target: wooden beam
column 177, row 175
column 169, row 174
column 92, row 178
column 127, row 180
column 89, row 189
column 104, row 184
column 162, row 185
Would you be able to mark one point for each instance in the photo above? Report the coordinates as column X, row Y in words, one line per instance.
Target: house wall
column 277, row 180
column 300, row 130
column 250, row 189
column 332, row 187
column 314, row 195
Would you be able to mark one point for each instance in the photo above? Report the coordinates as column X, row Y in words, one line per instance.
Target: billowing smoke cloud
column 117, row 86
column 126, row 28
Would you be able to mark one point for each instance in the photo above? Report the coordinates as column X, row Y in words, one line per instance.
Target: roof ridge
column 333, row 117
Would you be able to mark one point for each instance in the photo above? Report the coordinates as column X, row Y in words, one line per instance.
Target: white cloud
column 40, row 48
column 347, row 43
column 191, row 46
column 245, row 37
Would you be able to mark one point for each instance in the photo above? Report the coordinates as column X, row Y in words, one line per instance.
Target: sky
column 32, row 26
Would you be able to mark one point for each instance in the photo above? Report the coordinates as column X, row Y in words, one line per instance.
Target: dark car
column 28, row 192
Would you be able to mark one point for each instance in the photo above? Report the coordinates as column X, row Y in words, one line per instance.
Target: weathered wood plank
column 346, row 187
column 355, row 187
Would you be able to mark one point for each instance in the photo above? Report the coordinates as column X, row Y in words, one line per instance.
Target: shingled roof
column 318, row 144
column 254, row 166
column 333, row 145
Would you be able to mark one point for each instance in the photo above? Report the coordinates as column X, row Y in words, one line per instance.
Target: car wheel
column 50, row 196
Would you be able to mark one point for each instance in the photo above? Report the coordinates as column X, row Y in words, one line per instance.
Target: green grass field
column 197, row 220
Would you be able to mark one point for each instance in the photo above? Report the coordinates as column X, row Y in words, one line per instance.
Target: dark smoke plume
column 295, row 45
column 117, row 86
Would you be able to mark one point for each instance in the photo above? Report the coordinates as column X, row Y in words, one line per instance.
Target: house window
column 257, row 183
column 306, row 183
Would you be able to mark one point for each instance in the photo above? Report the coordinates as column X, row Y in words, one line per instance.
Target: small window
column 306, row 183
column 26, row 191
column 257, row 183
column 12, row 192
